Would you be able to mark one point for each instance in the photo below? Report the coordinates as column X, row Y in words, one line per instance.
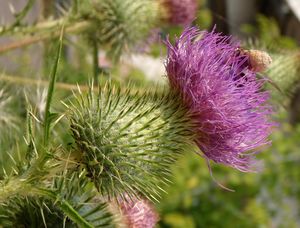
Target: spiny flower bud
column 285, row 72
column 128, row 141
column 224, row 95
column 179, row 12
column 121, row 24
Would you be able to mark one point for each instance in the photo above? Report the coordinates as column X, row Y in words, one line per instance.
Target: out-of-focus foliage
column 204, row 17
column 270, row 198
column 267, row 32
column 284, row 72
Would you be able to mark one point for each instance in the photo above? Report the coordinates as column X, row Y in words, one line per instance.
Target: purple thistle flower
column 138, row 213
column 223, row 95
column 180, row 12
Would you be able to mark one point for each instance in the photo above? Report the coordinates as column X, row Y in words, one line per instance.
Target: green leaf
column 48, row 116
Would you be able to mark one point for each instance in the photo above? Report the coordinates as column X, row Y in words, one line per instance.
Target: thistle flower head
column 138, row 213
column 180, row 12
column 223, row 95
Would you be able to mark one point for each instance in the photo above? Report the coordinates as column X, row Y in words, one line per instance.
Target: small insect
column 259, row 61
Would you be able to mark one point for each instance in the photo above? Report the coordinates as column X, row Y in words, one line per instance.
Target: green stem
column 38, row 28
column 75, row 7
column 20, row 16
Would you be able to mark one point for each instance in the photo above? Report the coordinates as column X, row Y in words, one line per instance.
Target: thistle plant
column 123, row 143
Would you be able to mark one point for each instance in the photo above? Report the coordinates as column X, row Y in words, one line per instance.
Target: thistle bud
column 285, row 72
column 179, row 12
column 138, row 213
column 128, row 142
column 121, row 24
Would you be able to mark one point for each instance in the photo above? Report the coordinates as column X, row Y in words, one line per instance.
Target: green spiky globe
column 285, row 71
column 120, row 24
column 128, row 142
